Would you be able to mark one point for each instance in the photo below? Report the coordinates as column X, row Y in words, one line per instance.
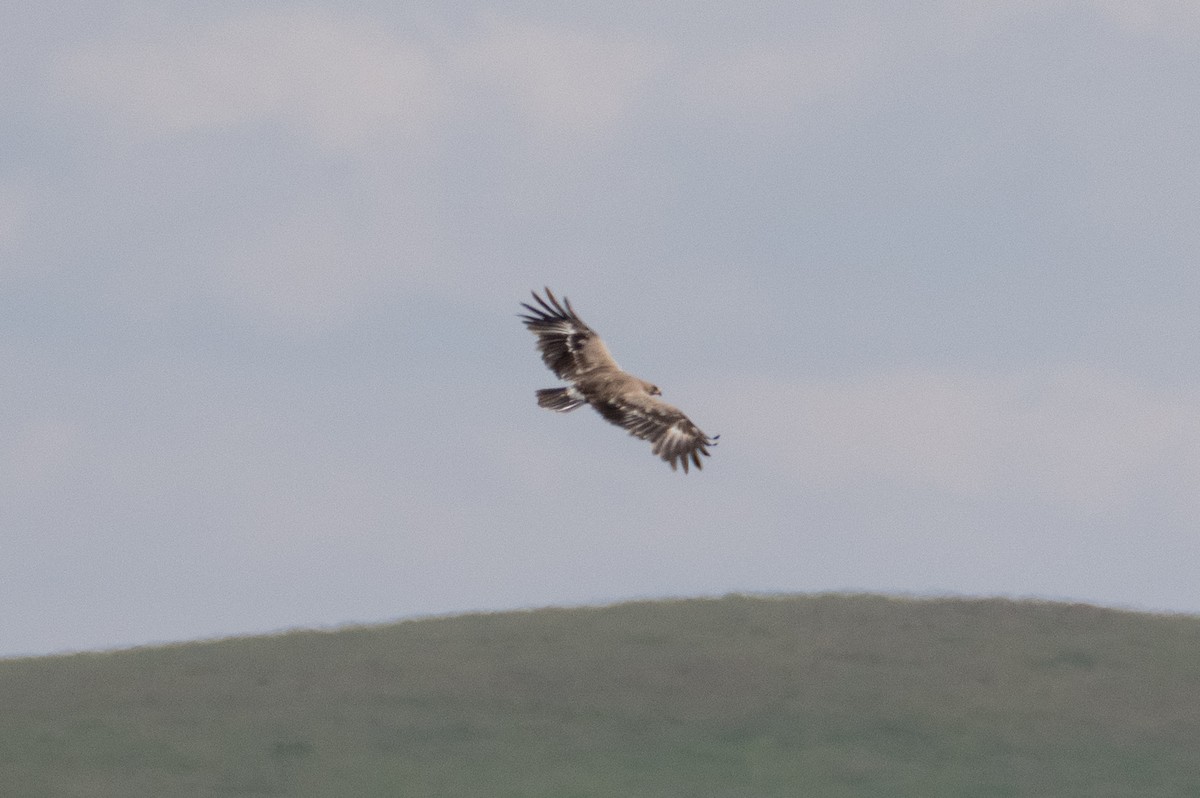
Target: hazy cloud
column 767, row 82
column 314, row 266
column 1087, row 440
column 38, row 451
column 1167, row 18
column 341, row 80
column 563, row 82
column 13, row 216
column 345, row 81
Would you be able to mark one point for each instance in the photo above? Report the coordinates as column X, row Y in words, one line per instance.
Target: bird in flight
column 575, row 353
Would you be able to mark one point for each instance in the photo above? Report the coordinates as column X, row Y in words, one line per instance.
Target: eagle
column 575, row 353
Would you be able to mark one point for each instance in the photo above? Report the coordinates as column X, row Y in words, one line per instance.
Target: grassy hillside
column 739, row 697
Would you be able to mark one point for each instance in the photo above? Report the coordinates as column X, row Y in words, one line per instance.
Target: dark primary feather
column 674, row 437
column 569, row 347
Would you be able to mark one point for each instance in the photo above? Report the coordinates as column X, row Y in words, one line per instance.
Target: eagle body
column 575, row 353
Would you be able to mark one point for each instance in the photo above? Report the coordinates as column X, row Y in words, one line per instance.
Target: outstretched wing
column 569, row 347
column 675, row 438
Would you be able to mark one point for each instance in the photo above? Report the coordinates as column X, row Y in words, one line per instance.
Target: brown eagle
column 575, row 353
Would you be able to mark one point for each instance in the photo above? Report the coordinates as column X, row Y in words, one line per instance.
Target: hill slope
column 821, row 696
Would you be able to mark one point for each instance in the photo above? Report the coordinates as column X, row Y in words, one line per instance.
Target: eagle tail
column 562, row 400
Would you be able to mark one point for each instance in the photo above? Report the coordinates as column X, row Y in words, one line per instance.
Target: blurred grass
column 832, row 695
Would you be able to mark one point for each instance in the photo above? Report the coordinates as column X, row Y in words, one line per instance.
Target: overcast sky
column 930, row 270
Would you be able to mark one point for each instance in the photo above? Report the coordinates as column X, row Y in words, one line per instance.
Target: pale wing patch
column 569, row 347
column 675, row 437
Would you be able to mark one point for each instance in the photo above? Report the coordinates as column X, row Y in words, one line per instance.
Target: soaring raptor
column 575, row 353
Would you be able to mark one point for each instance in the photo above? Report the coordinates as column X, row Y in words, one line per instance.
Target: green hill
column 742, row 697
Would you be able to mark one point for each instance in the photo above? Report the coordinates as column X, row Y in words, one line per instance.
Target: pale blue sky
column 931, row 274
